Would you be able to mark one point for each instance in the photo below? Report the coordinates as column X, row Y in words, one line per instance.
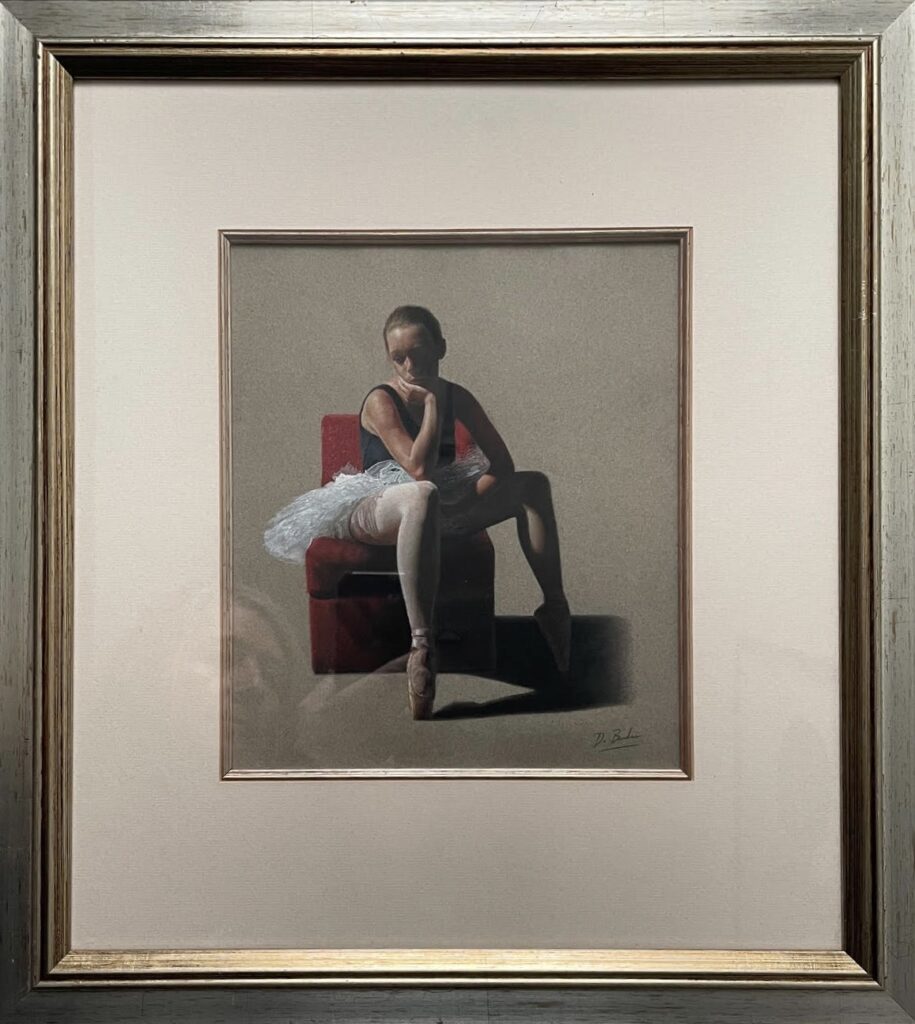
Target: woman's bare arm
column 418, row 457
column 469, row 411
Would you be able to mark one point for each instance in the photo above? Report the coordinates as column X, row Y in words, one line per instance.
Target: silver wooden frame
column 882, row 34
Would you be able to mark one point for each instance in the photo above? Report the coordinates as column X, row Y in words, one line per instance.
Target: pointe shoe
column 421, row 681
column 555, row 624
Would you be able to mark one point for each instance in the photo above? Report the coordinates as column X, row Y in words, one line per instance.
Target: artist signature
column 615, row 739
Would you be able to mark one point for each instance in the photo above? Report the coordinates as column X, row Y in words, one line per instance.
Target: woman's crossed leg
column 408, row 516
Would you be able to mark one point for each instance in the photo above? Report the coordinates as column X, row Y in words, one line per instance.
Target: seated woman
column 412, row 490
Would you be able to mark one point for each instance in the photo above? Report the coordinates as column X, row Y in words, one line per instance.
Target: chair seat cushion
column 468, row 565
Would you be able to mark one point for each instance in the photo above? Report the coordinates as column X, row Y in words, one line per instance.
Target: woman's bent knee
column 426, row 488
column 533, row 484
column 422, row 495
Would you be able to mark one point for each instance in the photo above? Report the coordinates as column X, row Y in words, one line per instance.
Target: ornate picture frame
column 867, row 48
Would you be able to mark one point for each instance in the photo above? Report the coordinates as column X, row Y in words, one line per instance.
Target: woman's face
column 413, row 354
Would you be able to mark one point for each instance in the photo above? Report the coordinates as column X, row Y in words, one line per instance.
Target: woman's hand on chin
column 413, row 394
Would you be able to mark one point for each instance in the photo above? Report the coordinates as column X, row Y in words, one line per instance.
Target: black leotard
column 373, row 449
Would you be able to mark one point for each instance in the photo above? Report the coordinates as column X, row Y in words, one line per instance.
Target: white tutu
column 325, row 511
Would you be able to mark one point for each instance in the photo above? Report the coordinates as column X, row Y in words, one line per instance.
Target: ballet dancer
column 413, row 490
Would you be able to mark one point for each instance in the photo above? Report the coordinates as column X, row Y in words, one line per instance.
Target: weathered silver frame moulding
column 868, row 47
column 682, row 237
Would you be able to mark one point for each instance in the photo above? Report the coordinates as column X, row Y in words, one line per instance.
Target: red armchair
column 356, row 610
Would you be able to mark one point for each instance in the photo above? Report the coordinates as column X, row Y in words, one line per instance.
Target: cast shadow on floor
column 598, row 673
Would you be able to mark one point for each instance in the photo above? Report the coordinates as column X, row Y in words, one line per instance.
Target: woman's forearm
column 424, row 454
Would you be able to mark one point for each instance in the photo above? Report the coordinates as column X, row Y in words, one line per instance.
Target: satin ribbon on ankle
column 421, row 637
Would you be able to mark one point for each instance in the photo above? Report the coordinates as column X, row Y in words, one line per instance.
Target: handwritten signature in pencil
column 615, row 739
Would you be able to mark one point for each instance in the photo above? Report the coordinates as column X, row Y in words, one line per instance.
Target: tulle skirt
column 325, row 511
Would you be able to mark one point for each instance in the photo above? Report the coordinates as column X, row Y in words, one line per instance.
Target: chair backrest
column 340, row 443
